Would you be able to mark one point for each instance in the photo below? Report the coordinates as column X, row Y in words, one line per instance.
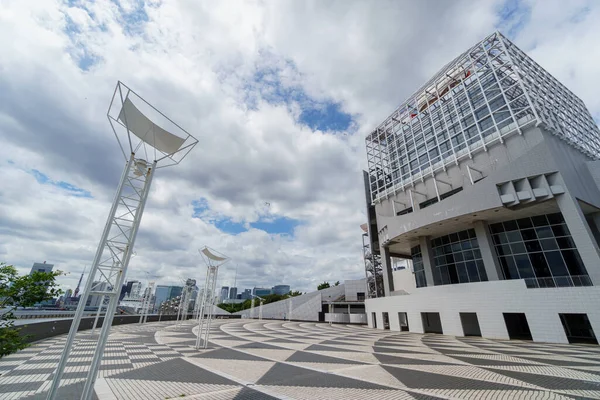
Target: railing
column 558, row 281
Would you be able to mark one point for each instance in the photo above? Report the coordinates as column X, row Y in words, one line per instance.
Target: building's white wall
column 352, row 287
column 404, row 279
column 489, row 300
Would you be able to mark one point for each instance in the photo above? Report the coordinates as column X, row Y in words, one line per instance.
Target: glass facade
column 540, row 250
column 457, row 259
column 490, row 91
column 418, row 266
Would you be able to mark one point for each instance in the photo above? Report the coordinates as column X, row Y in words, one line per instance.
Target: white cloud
column 198, row 62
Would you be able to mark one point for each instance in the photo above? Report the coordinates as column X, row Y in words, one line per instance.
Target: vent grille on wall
column 530, row 189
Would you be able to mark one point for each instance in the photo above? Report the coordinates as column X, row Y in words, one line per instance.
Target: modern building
column 280, row 289
column 41, row 267
column 246, row 295
column 233, row 293
column 337, row 304
column 487, row 178
column 94, row 301
column 161, row 294
column 224, row 293
column 257, row 291
column 174, row 291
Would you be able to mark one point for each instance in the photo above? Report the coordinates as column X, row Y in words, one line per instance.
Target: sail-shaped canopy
column 210, row 255
column 148, row 131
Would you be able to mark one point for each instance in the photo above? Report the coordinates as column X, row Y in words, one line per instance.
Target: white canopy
column 147, row 130
column 210, row 255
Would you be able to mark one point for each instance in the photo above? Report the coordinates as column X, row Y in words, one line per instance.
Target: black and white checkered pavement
column 292, row 360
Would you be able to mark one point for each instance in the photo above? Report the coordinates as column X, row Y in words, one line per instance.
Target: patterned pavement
column 262, row 360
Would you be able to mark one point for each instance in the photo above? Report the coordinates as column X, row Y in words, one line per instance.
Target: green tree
column 294, row 293
column 23, row 291
column 337, row 283
column 323, row 285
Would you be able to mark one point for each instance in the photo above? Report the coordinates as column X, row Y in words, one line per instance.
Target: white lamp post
column 213, row 261
column 148, row 140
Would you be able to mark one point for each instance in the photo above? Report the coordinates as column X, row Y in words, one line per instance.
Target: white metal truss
column 146, row 303
column 373, row 270
column 489, row 92
column 213, row 261
column 147, row 145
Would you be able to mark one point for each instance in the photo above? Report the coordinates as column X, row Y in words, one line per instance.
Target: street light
column 146, row 146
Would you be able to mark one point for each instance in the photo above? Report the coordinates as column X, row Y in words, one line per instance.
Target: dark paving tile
column 426, row 380
column 303, row 356
column 560, row 363
column 282, row 340
column 229, row 354
column 386, row 359
column 127, row 365
column 318, row 347
column 258, row 345
column 19, row 387
column 175, row 370
column 289, row 375
column 250, row 394
column 549, row 382
column 22, row 372
column 489, row 361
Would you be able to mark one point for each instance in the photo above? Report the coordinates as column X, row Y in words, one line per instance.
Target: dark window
column 542, row 250
column 457, row 258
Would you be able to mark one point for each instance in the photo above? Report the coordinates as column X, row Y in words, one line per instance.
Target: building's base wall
column 490, row 300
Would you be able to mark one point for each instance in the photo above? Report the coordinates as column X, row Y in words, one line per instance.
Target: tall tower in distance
column 76, row 292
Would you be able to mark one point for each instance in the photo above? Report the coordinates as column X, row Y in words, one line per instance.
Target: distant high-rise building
column 41, row 267
column 68, row 293
column 281, row 289
column 160, row 295
column 94, row 300
column 224, row 293
column 233, row 293
column 261, row 291
column 246, row 295
column 174, row 291
column 136, row 290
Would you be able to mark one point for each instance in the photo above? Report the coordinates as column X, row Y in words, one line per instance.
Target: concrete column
column 386, row 266
column 582, row 235
column 427, row 253
column 488, row 254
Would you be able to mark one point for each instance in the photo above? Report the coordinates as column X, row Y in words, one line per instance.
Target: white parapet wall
column 490, row 300
column 305, row 307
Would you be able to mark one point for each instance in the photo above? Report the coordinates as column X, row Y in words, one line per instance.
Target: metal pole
column 98, row 315
column 260, row 311
column 88, row 286
column 112, row 305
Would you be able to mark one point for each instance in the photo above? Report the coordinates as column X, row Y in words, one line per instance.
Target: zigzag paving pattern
column 263, row 360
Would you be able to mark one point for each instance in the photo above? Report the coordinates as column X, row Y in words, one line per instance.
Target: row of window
column 538, row 247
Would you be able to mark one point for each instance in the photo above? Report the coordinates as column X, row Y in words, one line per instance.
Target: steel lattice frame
column 115, row 249
column 487, row 93
column 146, row 303
column 373, row 270
column 208, row 298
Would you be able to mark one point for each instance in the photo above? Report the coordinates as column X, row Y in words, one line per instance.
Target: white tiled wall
column 489, row 300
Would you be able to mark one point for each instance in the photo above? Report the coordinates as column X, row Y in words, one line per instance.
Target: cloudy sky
column 280, row 95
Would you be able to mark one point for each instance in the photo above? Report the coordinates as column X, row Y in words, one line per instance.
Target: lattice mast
column 146, row 146
column 213, row 261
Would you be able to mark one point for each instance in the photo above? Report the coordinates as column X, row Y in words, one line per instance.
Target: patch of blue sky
column 323, row 115
column 133, row 20
column 199, row 206
column 73, row 190
column 514, row 15
column 226, row 225
column 278, row 226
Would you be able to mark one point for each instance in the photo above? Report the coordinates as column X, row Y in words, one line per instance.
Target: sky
column 279, row 94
